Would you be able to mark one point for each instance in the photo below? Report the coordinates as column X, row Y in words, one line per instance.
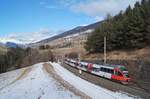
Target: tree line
column 129, row 29
column 16, row 58
column 11, row 59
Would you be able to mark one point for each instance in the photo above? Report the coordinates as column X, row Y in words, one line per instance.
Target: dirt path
column 64, row 83
column 21, row 76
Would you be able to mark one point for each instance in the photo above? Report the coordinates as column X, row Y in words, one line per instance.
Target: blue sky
column 44, row 18
column 32, row 15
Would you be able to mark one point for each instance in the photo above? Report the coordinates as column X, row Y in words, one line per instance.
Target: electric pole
column 79, row 56
column 105, row 50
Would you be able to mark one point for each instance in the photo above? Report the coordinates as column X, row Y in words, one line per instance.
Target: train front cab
column 121, row 75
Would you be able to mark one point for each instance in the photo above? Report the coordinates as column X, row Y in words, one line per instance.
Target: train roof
column 114, row 66
column 101, row 63
column 108, row 66
column 84, row 63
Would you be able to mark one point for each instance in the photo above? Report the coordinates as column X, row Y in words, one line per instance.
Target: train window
column 76, row 63
column 83, row 66
column 111, row 71
column 102, row 69
column 126, row 74
column 96, row 69
column 106, row 70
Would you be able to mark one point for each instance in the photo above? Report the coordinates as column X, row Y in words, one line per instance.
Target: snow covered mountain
column 26, row 38
column 5, row 40
column 11, row 44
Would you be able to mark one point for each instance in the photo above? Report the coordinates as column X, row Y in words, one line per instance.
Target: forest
column 17, row 57
column 129, row 29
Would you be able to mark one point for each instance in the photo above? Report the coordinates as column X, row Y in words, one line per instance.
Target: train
column 117, row 73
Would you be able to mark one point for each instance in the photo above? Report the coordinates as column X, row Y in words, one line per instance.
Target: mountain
column 79, row 29
column 14, row 45
column 11, row 44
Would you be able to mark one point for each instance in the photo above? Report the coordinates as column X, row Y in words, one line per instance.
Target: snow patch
column 37, row 85
column 8, row 77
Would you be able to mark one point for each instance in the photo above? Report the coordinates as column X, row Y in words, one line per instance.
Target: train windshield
column 124, row 70
column 126, row 73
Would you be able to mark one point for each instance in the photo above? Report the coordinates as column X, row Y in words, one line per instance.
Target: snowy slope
column 7, row 78
column 90, row 89
column 37, row 85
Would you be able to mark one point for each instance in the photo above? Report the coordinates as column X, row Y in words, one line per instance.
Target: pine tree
column 127, row 30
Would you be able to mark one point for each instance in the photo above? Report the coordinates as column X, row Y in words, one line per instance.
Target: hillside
column 77, row 30
column 128, row 30
column 3, row 50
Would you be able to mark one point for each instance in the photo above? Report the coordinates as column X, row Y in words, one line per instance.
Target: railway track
column 111, row 85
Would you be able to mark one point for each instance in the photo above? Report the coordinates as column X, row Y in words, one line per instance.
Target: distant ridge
column 73, row 31
column 11, row 44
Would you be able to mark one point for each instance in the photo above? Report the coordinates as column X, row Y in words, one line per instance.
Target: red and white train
column 112, row 72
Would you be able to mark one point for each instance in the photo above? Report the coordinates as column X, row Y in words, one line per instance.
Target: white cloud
column 99, row 8
column 25, row 38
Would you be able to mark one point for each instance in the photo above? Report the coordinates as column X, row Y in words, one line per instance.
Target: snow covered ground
column 37, row 85
column 90, row 89
column 7, row 78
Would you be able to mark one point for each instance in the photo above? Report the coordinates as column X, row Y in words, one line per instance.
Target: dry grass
column 122, row 55
column 113, row 55
column 63, row 51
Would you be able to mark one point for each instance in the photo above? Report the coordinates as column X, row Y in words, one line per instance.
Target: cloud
column 42, row 3
column 67, row 3
column 99, row 8
column 46, row 5
column 25, row 38
column 51, row 7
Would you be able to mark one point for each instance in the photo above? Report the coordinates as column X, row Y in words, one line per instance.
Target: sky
column 32, row 20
